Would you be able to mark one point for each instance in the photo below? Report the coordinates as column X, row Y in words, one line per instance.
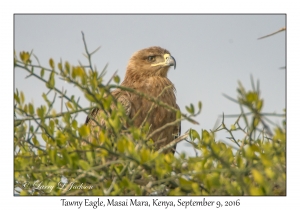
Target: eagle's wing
column 121, row 98
column 94, row 119
column 126, row 103
column 93, row 115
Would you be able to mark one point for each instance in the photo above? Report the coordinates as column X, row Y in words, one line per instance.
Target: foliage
column 53, row 157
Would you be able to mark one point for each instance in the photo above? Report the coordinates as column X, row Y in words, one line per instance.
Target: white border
column 8, row 201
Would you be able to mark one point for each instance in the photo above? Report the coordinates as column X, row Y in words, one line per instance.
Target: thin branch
column 52, row 116
column 164, row 127
column 276, row 32
column 173, row 143
column 89, row 55
column 229, row 98
column 152, row 106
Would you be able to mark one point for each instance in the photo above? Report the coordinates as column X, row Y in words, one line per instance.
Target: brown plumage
column 147, row 73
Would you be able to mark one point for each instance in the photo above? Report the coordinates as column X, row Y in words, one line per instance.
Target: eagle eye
column 151, row 58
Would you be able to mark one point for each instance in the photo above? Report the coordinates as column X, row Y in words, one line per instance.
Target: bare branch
column 173, row 143
column 276, row 32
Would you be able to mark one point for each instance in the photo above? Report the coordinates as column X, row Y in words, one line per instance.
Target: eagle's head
column 148, row 62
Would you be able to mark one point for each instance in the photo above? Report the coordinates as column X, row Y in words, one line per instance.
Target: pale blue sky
column 212, row 53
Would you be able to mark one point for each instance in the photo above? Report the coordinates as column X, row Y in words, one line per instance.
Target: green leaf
column 145, row 154
column 255, row 190
column 23, row 192
column 84, row 131
column 67, row 67
column 270, row 173
column 214, row 180
column 74, row 73
column 256, row 121
column 69, row 105
column 178, row 114
column 51, row 62
column 52, row 154
column 258, row 177
column 40, row 112
column 25, row 57
column 192, row 109
column 251, row 97
column 66, row 117
column 67, row 157
column 46, row 99
column 74, row 124
column 125, row 182
column 115, row 123
column 121, row 145
column 239, row 161
column 42, row 72
column 52, row 126
column 35, row 141
column 259, row 104
column 17, row 122
column 45, row 137
column 59, row 65
column 84, row 165
column 31, row 109
column 51, row 82
column 185, row 184
column 117, row 79
column 200, row 105
column 22, row 97
column 61, row 137
column 25, row 108
column 90, row 156
column 194, row 135
column 16, row 97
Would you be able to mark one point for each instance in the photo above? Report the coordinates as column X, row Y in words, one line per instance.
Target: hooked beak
column 171, row 61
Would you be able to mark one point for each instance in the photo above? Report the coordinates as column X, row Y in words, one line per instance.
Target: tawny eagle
column 147, row 73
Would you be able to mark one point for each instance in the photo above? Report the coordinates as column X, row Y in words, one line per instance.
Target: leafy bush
column 53, row 157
